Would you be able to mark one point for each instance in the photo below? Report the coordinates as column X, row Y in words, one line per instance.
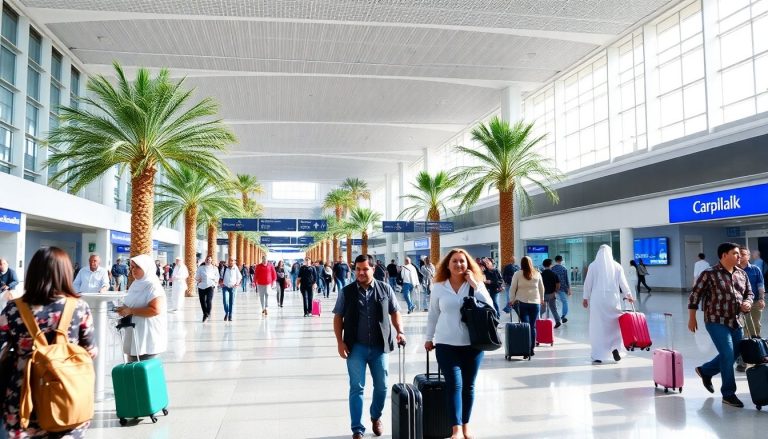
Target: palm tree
column 339, row 200
column 357, row 188
column 361, row 220
column 246, row 185
column 144, row 125
column 507, row 160
column 431, row 195
column 185, row 194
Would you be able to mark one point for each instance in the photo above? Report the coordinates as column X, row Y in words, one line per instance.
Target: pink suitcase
column 634, row 330
column 668, row 364
column 316, row 307
column 545, row 331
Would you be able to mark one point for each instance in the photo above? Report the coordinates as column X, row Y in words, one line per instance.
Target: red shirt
column 265, row 274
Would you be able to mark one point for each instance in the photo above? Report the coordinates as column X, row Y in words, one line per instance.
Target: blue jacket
column 9, row 279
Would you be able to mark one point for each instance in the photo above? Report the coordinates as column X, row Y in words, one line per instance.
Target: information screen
column 653, row 251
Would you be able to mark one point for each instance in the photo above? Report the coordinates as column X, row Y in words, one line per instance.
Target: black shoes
column 733, row 401
column 558, row 324
column 707, row 381
column 616, row 355
column 564, row 320
column 741, row 368
column 205, row 317
column 597, row 361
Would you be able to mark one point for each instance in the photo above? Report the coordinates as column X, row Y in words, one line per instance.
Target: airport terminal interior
column 517, row 130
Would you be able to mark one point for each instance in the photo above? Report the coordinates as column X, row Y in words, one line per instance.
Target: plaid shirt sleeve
column 700, row 289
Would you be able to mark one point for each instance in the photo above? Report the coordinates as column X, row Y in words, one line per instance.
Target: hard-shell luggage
column 757, row 378
column 668, row 363
column 407, row 406
column 316, row 307
column 140, row 387
column 545, row 331
column 436, row 422
column 517, row 341
column 634, row 330
column 754, row 350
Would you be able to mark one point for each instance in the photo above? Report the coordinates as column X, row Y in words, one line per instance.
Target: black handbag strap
column 471, row 291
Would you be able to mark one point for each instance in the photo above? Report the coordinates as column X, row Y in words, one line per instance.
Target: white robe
column 603, row 289
column 180, row 275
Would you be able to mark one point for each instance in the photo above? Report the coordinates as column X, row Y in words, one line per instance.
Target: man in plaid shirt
column 726, row 293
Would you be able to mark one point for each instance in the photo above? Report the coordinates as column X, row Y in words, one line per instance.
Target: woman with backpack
column 48, row 289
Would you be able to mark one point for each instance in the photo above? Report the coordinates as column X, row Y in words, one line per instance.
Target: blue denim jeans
column 376, row 360
column 294, row 277
column 529, row 313
column 563, row 296
column 339, row 284
column 407, row 288
column 726, row 342
column 392, row 282
column 507, row 308
column 551, row 301
column 228, row 294
column 460, row 365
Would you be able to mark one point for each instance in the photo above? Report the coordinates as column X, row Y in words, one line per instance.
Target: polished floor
column 281, row 377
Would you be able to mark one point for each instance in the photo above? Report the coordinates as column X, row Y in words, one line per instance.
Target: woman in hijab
column 145, row 302
column 179, row 280
column 603, row 287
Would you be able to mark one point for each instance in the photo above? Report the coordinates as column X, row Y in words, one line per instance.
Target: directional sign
column 275, row 240
column 439, row 226
column 421, row 243
column 305, row 240
column 277, row 225
column 397, row 226
column 313, row 225
column 239, row 224
column 357, row 241
column 222, row 241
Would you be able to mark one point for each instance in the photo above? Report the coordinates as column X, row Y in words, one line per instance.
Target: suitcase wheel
column 124, row 422
column 759, row 407
column 666, row 390
column 656, row 385
column 506, row 357
column 680, row 390
column 153, row 418
column 165, row 412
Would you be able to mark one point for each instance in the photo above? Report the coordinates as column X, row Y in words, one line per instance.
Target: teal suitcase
column 140, row 390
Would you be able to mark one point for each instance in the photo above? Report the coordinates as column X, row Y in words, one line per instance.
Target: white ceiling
column 321, row 90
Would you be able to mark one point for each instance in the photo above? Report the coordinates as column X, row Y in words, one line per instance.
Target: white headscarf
column 603, row 270
column 149, row 280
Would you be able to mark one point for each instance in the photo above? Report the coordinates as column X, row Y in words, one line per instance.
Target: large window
column 743, row 38
column 5, row 149
column 540, row 110
column 586, row 116
column 632, row 126
column 294, row 190
column 74, row 87
column 682, row 92
column 35, row 62
column 10, row 25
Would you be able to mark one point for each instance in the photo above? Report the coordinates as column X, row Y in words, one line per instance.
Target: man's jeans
column 339, row 284
column 393, row 282
column 228, row 294
column 726, row 342
column 563, row 296
column 407, row 288
column 507, row 308
column 293, row 281
column 376, row 360
column 551, row 306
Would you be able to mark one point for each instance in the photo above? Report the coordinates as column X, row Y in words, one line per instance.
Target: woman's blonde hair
column 529, row 270
column 443, row 272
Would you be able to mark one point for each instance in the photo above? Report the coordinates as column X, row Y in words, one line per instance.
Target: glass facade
column 577, row 251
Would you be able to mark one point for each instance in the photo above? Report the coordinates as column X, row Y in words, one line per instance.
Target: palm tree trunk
column 434, row 239
column 506, row 226
column 142, row 211
column 328, row 250
column 232, row 244
column 336, row 248
column 365, row 243
column 240, row 247
column 349, row 249
column 190, row 247
column 212, row 242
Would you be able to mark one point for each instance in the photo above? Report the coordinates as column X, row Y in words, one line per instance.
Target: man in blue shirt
column 757, row 283
column 506, row 275
column 340, row 273
column 8, row 282
column 565, row 286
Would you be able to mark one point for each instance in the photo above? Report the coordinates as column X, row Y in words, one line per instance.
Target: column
column 626, row 247
column 388, row 216
column 401, row 207
column 511, row 111
column 18, row 141
column 426, row 160
column 104, row 248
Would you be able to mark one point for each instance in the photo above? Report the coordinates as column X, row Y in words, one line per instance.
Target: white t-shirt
column 444, row 325
column 699, row 267
column 151, row 332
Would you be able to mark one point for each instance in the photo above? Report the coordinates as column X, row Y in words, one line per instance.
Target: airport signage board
column 222, row 241
column 421, row 243
column 10, row 221
column 268, row 240
column 731, row 203
column 439, row 226
column 277, row 225
column 305, row 240
column 537, row 249
column 397, row 226
column 119, row 238
column 239, row 225
column 313, row 225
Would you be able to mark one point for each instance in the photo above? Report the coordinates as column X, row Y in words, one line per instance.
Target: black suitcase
column 757, row 378
column 754, row 350
column 517, row 342
column 437, row 424
column 407, row 406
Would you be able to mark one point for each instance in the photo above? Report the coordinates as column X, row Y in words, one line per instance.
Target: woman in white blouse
column 448, row 335
column 146, row 303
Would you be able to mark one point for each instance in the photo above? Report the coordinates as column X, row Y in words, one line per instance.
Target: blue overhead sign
column 222, row 241
column 731, row 203
column 277, row 225
column 397, row 226
column 357, row 241
column 267, row 240
column 239, row 224
column 537, row 249
column 305, row 240
column 10, row 221
column 313, row 225
column 123, row 248
column 121, row 238
column 439, row 226
column 421, row 243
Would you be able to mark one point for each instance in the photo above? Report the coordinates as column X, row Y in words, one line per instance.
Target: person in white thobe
column 179, row 288
column 700, row 266
column 603, row 287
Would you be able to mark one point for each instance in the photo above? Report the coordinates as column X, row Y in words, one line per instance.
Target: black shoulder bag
column 481, row 320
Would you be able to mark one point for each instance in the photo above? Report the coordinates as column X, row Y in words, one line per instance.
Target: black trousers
column 280, row 291
column 206, row 297
column 306, row 294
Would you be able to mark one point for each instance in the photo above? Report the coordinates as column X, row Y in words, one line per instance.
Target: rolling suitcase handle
column 127, row 323
column 438, row 367
column 667, row 323
column 401, row 362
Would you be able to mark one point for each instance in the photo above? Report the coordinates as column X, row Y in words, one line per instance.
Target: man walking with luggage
column 551, row 287
column 365, row 336
column 307, row 278
column 726, row 292
column 757, row 285
column 565, row 287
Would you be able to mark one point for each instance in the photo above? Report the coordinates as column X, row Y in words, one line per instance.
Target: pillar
column 401, row 207
column 626, row 248
column 512, row 111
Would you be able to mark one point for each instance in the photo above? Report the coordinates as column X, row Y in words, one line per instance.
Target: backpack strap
column 62, row 331
column 31, row 323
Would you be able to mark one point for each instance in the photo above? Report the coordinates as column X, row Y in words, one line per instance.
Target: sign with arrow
column 313, row 225
column 397, row 226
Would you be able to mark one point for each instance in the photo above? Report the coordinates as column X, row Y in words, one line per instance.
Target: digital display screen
column 653, row 251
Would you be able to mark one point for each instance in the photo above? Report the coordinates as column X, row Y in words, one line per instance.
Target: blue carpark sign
column 277, row 225
column 120, row 237
column 239, row 224
column 397, row 226
column 267, row 240
column 10, row 221
column 439, row 226
column 744, row 201
column 313, row 225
